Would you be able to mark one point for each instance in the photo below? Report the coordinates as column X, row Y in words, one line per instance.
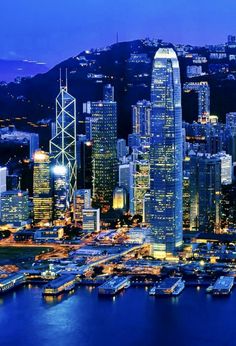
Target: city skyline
column 40, row 26
column 118, row 181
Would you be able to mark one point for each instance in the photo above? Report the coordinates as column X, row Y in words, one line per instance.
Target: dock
column 11, row 281
column 167, row 287
column 223, row 285
column 62, row 284
column 114, row 285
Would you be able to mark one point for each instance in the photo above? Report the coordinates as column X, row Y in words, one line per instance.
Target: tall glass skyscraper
column 166, row 155
column 63, row 144
column 42, row 189
column 104, row 154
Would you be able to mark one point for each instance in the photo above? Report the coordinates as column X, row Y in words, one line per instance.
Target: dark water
column 133, row 318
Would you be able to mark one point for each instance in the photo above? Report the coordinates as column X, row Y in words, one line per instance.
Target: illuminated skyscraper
column 82, row 200
column 42, row 196
column 60, row 192
column 140, row 181
column 63, row 145
column 104, row 154
column 209, row 189
column 166, row 154
column 141, row 119
column 203, row 91
column 15, row 207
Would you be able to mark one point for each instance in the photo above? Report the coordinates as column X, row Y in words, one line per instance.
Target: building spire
column 60, row 77
column 66, row 78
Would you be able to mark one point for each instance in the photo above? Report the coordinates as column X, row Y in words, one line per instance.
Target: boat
column 168, row 287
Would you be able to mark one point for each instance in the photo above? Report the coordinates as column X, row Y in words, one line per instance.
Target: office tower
column 3, row 182
column 190, row 192
column 203, row 91
column 88, row 128
column 134, row 140
column 82, row 200
column 140, row 183
column 231, row 120
column 228, row 208
column 3, row 179
column 60, row 192
column 42, row 196
column 53, row 129
column 84, row 162
column 146, row 208
column 121, row 148
column 226, row 167
column 214, row 143
column 104, row 157
column 141, row 119
column 209, row 189
column 91, row 220
column 15, row 207
column 63, row 144
column 33, row 144
column 108, row 93
column 166, row 154
column 120, row 199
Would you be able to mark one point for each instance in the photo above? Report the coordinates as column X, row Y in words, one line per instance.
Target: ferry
column 223, row 285
column 168, row 287
column 62, row 284
column 114, row 285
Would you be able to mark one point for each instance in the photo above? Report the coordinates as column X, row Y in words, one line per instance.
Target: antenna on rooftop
column 60, row 77
column 66, row 78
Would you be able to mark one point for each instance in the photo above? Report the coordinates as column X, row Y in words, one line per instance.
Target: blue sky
column 52, row 30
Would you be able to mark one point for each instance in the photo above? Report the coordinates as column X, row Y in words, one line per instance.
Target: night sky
column 52, row 30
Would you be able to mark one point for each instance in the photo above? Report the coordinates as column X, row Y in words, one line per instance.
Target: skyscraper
column 82, row 200
column 141, row 119
column 203, row 91
column 15, row 207
column 63, row 145
column 104, row 155
column 60, row 192
column 42, row 196
column 209, row 189
column 166, row 154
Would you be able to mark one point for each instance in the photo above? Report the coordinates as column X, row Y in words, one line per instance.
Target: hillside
column 119, row 65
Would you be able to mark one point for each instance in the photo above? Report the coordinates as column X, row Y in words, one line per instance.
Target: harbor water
column 133, row 317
